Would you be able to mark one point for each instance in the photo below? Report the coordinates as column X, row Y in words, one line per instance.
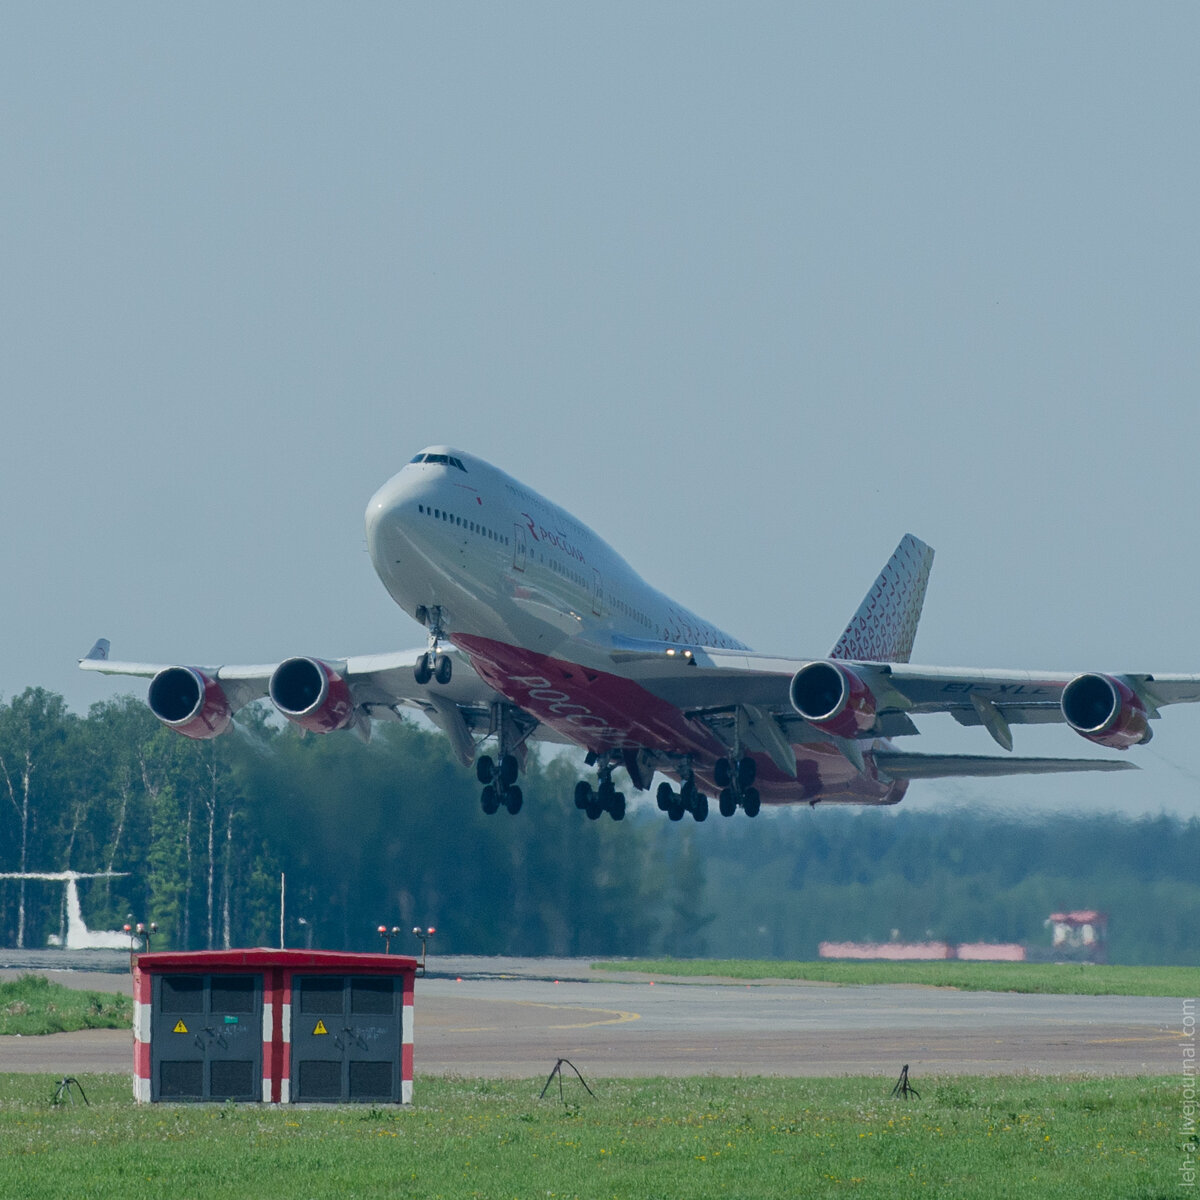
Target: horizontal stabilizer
column 949, row 766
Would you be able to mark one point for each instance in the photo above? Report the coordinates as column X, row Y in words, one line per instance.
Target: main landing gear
column 689, row 799
column 602, row 799
column 736, row 781
column 499, row 776
column 433, row 664
column 500, row 784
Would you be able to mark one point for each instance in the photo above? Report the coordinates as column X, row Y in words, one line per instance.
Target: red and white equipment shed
column 274, row 1026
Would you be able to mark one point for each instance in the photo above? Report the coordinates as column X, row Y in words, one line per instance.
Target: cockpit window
column 442, row 460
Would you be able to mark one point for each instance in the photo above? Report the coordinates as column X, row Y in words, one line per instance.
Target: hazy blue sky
column 752, row 289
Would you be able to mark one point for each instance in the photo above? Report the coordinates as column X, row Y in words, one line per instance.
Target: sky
column 751, row 289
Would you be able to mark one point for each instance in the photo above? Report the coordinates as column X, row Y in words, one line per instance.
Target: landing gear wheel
column 423, row 670
column 727, row 802
column 593, row 810
column 485, row 769
column 747, row 773
column 751, row 803
column 509, row 769
column 675, row 812
column 722, row 773
column 687, row 795
column 443, row 669
column 583, row 794
column 513, row 799
column 616, row 809
column 489, row 801
column 700, row 811
column 666, row 795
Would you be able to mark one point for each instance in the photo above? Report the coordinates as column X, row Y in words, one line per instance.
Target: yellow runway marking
column 1154, row 1037
column 616, row 1016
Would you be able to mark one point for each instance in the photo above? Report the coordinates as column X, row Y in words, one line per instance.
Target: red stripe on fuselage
column 595, row 709
column 601, row 711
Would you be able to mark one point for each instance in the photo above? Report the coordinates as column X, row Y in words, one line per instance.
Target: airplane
column 79, row 936
column 538, row 631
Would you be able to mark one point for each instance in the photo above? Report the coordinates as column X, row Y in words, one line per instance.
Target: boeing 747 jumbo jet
column 538, row 630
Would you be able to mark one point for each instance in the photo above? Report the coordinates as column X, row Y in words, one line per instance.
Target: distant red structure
column 1080, row 936
column 924, row 951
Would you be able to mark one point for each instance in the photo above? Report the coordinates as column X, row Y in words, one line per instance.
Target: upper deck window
column 443, row 460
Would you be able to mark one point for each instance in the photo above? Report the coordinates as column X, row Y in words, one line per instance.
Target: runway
column 510, row 1018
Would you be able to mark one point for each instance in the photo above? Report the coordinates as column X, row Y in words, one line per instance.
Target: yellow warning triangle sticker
column 319, row 1029
column 180, row 1027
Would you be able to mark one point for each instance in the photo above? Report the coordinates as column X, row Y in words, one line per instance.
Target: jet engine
column 311, row 694
column 832, row 698
column 188, row 701
column 1105, row 711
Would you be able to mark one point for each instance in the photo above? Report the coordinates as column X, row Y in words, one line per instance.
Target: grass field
column 1078, row 979
column 695, row 1138
column 33, row 1005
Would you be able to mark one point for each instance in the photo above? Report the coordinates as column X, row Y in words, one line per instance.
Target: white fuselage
column 505, row 563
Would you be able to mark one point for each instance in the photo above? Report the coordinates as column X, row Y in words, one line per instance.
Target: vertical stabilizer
column 885, row 625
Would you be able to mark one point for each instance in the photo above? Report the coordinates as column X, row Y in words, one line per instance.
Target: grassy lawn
column 1078, row 979
column 694, row 1138
column 33, row 1005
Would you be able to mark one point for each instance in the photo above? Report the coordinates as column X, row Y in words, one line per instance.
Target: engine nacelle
column 1105, row 711
column 311, row 694
column 832, row 698
column 189, row 702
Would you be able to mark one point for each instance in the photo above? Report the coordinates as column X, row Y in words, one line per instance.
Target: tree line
column 391, row 833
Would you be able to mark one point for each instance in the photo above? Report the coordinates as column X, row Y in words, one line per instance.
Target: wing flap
column 898, row 765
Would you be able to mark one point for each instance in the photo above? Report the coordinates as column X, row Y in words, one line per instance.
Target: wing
column 345, row 693
column 774, row 702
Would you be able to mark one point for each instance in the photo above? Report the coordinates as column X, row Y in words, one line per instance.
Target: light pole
column 424, row 935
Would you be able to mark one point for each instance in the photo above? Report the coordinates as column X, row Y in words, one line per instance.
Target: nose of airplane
column 383, row 516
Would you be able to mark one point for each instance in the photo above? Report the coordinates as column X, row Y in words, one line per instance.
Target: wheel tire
column 727, row 802
column 675, row 812
column 616, row 809
column 513, row 799
column 700, row 811
column 423, row 671
column 666, row 795
column 751, row 803
column 444, row 669
column 485, row 769
column 687, row 795
column 583, row 794
column 593, row 810
column 489, row 801
column 747, row 773
column 722, row 773
column 509, row 770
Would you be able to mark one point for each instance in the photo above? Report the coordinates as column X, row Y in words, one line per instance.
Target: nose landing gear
column 433, row 664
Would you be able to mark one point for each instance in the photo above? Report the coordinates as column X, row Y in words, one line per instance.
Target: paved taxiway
column 508, row 1017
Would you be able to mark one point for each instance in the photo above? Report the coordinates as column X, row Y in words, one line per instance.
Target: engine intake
column 189, row 702
column 1106, row 711
column 832, row 698
column 311, row 694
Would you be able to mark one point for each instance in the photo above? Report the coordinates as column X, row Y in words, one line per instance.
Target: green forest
column 392, row 833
